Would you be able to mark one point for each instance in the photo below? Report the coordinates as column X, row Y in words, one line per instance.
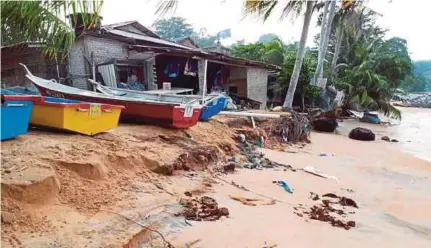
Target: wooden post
column 93, row 69
column 204, row 90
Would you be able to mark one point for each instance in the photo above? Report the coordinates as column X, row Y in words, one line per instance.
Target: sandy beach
column 96, row 201
column 391, row 188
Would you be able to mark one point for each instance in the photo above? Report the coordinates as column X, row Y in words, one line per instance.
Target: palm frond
column 46, row 22
column 165, row 6
column 261, row 8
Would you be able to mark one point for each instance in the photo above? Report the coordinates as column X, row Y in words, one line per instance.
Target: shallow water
column 413, row 132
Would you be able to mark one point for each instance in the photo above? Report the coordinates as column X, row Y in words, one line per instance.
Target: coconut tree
column 325, row 32
column 265, row 9
column 46, row 22
column 353, row 24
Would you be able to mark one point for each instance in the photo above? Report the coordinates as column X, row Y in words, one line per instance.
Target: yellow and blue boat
column 72, row 115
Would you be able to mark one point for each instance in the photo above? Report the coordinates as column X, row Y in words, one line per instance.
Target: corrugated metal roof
column 146, row 38
column 214, row 57
column 133, row 23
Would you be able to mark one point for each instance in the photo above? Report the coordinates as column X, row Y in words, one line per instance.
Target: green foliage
column 307, row 71
column 173, row 29
column 420, row 81
column 375, row 71
column 278, row 53
column 45, row 21
column 250, row 51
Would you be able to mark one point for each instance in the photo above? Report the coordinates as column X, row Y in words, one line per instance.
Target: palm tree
column 350, row 21
column 325, row 32
column 265, row 9
column 46, row 22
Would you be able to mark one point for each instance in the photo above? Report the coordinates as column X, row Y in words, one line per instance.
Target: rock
column 386, row 138
column 7, row 171
column 188, row 193
column 7, row 218
column 360, row 133
column 229, row 167
column 325, row 124
column 394, row 140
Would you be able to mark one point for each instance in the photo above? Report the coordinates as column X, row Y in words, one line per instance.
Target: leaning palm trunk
column 322, row 31
column 299, row 57
column 339, row 38
column 325, row 41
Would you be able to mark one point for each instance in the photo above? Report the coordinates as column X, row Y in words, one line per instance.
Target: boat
column 160, row 113
column 15, row 117
column 71, row 115
column 211, row 104
column 19, row 90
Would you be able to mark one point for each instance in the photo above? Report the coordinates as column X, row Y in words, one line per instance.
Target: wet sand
column 392, row 189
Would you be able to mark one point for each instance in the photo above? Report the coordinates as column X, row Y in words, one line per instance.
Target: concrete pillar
column 201, row 76
column 257, row 85
column 150, row 75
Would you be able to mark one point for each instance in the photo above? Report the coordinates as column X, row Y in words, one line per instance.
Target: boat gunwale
column 96, row 95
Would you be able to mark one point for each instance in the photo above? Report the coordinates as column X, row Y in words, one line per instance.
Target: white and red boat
column 159, row 113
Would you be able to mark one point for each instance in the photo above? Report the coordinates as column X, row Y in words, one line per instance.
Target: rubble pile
column 293, row 128
column 202, row 209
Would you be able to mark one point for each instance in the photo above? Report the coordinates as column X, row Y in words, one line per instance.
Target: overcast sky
column 408, row 19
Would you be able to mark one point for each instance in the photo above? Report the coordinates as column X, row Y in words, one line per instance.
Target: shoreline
column 392, row 189
column 393, row 200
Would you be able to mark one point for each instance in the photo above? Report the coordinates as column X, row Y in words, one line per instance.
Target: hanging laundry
column 190, row 68
column 172, row 69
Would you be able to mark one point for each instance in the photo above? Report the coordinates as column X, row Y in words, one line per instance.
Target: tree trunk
column 303, row 101
column 299, row 58
column 324, row 45
column 322, row 32
column 339, row 37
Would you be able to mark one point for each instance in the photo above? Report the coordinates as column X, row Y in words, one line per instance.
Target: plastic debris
column 284, row 185
column 317, row 172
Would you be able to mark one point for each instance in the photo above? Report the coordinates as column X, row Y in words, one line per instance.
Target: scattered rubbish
column 314, row 196
column 317, row 172
column 202, row 209
column 277, row 109
column 343, row 201
column 242, row 138
column 291, row 128
column 348, row 190
column 229, row 167
column 256, row 159
column 251, row 201
column 269, row 246
column 323, row 154
column 323, row 211
column 363, row 134
column 330, row 195
column 284, row 185
column 386, row 138
column 370, row 118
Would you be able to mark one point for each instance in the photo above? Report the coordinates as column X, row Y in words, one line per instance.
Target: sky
column 408, row 19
